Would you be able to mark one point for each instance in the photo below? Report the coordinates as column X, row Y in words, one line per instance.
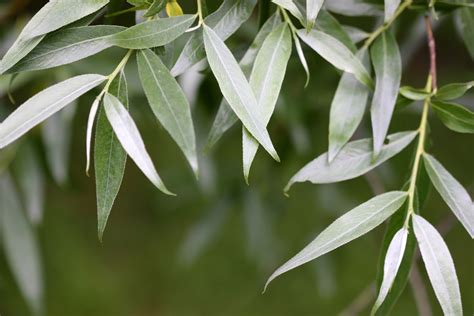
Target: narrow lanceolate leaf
column 54, row 15
column 129, row 136
column 439, row 266
column 155, row 8
column 67, row 46
column 330, row 25
column 236, row 89
column 336, row 53
column 109, row 158
column 388, row 72
column 456, row 117
column 44, row 104
column 302, row 58
column 393, row 259
column 346, row 228
column 291, row 7
column 355, row 159
column 20, row 246
column 414, row 94
column 452, row 192
column 225, row 117
column 465, row 18
column 453, row 91
column 312, row 10
column 224, row 21
column 355, row 7
column 90, row 126
column 152, row 33
column 168, row 103
column 266, row 80
column 347, row 109
column 390, row 8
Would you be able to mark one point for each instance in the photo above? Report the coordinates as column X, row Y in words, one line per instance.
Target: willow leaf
column 346, row 228
column 168, row 103
column 312, row 10
column 465, row 18
column 44, row 104
column 390, row 8
column 453, row 90
column 454, row 116
column 127, row 133
column 236, row 89
column 330, row 25
column 388, row 72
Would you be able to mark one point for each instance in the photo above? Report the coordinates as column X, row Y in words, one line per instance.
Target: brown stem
column 432, row 47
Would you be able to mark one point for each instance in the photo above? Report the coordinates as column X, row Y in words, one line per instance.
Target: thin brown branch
column 432, row 48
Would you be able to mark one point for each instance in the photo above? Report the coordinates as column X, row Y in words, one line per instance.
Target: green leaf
column 266, row 80
column 439, row 265
column 20, row 246
column 355, row 7
column 413, row 93
column 355, row 34
column 453, row 91
column 346, row 228
column 393, row 260
column 168, row 103
column 465, row 19
column 54, row 15
column 336, row 53
column 291, row 7
column 355, row 159
column 129, row 136
column 388, row 72
column 152, row 33
column 302, row 58
column 236, row 89
column 312, row 10
column 224, row 21
column 329, row 25
column 452, row 192
column 390, row 8
column 29, row 174
column 44, row 104
column 57, row 135
column 454, row 116
column 225, row 117
column 109, row 157
column 155, row 8
column 347, row 109
column 67, row 46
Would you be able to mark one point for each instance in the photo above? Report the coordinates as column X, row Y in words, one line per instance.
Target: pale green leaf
column 312, row 10
column 388, row 71
column 236, row 89
column 393, row 260
column 390, row 8
column 291, row 7
column 152, row 33
column 355, row 7
column 336, row 53
column 44, row 104
column 90, row 126
column 67, row 46
column 21, row 246
column 109, row 158
column 302, row 58
column 355, row 159
column 129, row 136
column 224, row 21
column 453, row 91
column 330, row 25
column 452, row 192
column 347, row 109
column 346, row 228
column 155, row 8
column 168, row 103
column 439, row 265
column 266, row 80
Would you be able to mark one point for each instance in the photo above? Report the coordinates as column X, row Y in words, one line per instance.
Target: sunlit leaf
column 266, row 80
column 152, row 33
column 439, row 265
column 393, row 260
column 236, row 89
column 346, row 228
column 312, row 10
column 44, row 104
column 109, row 158
column 355, row 159
column 129, row 136
column 302, row 58
column 224, row 21
column 336, row 53
column 452, row 192
column 20, row 246
column 456, row 117
column 291, row 7
column 347, row 109
column 388, row 71
column 168, row 102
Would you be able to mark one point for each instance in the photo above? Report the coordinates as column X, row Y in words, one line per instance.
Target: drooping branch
column 432, row 48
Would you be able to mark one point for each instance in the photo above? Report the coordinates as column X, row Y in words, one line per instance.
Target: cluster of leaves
column 60, row 34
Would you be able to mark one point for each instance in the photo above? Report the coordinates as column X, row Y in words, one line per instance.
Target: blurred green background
column 209, row 250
